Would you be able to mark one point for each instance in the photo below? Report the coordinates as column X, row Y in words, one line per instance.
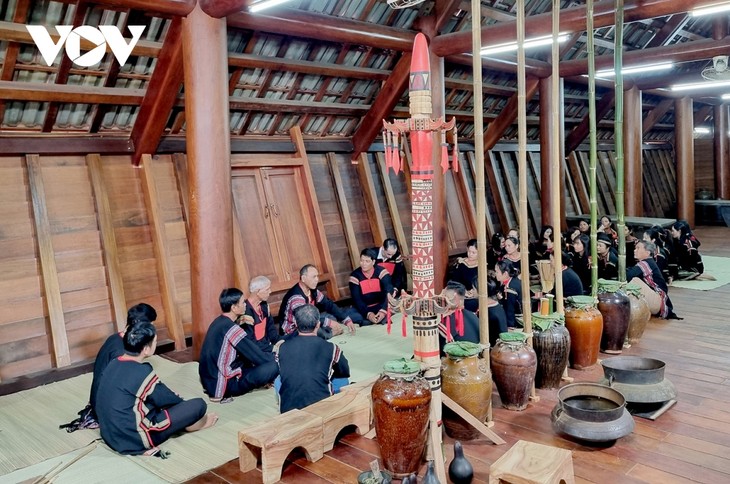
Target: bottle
column 460, row 470
column 430, row 477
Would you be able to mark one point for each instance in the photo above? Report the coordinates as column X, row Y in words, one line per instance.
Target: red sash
column 368, row 286
column 259, row 330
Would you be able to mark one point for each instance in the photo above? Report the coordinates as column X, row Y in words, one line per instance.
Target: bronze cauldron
column 591, row 412
column 640, row 380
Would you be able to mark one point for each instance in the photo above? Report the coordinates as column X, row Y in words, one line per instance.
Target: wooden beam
column 344, row 209
column 314, row 213
column 108, row 241
column 62, row 73
column 571, row 20
column 579, row 133
column 653, row 116
column 682, row 52
column 223, row 8
column 49, row 271
column 388, row 97
column 16, row 32
column 377, row 227
column 722, row 157
column 288, row 106
column 205, row 51
column 670, row 28
column 508, row 115
column 165, row 271
column 161, row 94
column 11, row 52
column 533, row 67
column 491, row 229
column 306, row 67
column 165, row 7
column 301, row 23
column 465, row 199
column 684, row 152
column 699, row 117
column 53, row 145
column 22, row 91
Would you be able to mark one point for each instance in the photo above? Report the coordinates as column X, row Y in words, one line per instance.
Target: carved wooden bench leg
column 341, row 410
column 272, row 441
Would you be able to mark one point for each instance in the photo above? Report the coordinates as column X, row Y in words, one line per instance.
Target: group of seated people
column 246, row 348
column 662, row 255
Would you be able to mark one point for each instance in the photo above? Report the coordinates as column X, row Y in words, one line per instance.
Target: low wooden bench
column 531, row 463
column 314, row 429
column 272, row 441
column 712, row 212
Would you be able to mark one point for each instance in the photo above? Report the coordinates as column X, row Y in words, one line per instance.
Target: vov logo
column 71, row 38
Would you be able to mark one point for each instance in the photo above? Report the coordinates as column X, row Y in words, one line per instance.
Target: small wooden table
column 531, row 463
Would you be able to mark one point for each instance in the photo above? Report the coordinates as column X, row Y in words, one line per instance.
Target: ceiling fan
column 720, row 70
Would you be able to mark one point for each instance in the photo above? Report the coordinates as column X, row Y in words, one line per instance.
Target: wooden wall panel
column 704, row 164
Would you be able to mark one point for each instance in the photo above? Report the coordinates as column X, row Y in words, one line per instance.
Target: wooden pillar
column 548, row 136
column 440, row 226
column 634, row 192
column 209, row 168
column 684, row 153
column 722, row 159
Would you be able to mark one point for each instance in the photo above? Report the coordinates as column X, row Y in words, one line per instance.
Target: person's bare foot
column 207, row 421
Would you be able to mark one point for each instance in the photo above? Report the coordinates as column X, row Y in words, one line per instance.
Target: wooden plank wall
column 704, row 164
column 88, row 254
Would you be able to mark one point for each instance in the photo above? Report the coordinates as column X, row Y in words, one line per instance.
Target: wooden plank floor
column 689, row 443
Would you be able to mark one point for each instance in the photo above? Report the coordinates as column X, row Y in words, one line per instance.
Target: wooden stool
column 272, row 441
column 531, row 463
column 340, row 410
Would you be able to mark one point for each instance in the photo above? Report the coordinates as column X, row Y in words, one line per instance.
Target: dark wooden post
column 440, row 226
column 548, row 136
column 561, row 138
column 209, row 168
column 722, row 160
column 634, row 194
column 684, row 149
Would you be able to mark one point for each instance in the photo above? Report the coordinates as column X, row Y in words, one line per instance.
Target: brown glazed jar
column 551, row 342
column 401, row 407
column 513, row 369
column 585, row 324
column 466, row 379
column 615, row 308
column 640, row 314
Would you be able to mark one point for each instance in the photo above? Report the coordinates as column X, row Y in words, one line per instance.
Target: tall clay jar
column 585, row 324
column 551, row 342
column 640, row 314
column 401, row 406
column 615, row 308
column 513, row 369
column 466, row 379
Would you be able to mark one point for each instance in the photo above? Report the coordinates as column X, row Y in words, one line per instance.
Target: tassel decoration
column 389, row 320
column 403, row 326
column 386, row 146
column 455, row 152
column 447, row 327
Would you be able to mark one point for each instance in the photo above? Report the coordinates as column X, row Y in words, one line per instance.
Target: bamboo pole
column 522, row 174
column 555, row 163
column 593, row 145
column 481, row 194
column 618, row 135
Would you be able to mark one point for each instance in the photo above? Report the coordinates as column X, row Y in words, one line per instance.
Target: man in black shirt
column 308, row 363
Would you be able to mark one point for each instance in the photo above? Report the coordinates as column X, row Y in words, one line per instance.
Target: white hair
column 258, row 283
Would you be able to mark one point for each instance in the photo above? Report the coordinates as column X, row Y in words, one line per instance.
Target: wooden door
column 254, row 219
column 292, row 225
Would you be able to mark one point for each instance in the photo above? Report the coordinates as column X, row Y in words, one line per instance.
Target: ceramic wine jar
column 639, row 314
column 551, row 342
column 585, row 324
column 466, row 379
column 615, row 307
column 514, row 365
column 401, row 405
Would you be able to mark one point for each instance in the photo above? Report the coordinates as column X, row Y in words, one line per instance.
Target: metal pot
column 591, row 412
column 640, row 380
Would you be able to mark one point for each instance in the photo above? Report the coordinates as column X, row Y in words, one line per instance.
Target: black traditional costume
column 370, row 292
column 307, row 365
column 260, row 326
column 296, row 297
column 137, row 412
column 231, row 363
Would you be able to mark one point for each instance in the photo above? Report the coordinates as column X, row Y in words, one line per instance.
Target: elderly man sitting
column 647, row 275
